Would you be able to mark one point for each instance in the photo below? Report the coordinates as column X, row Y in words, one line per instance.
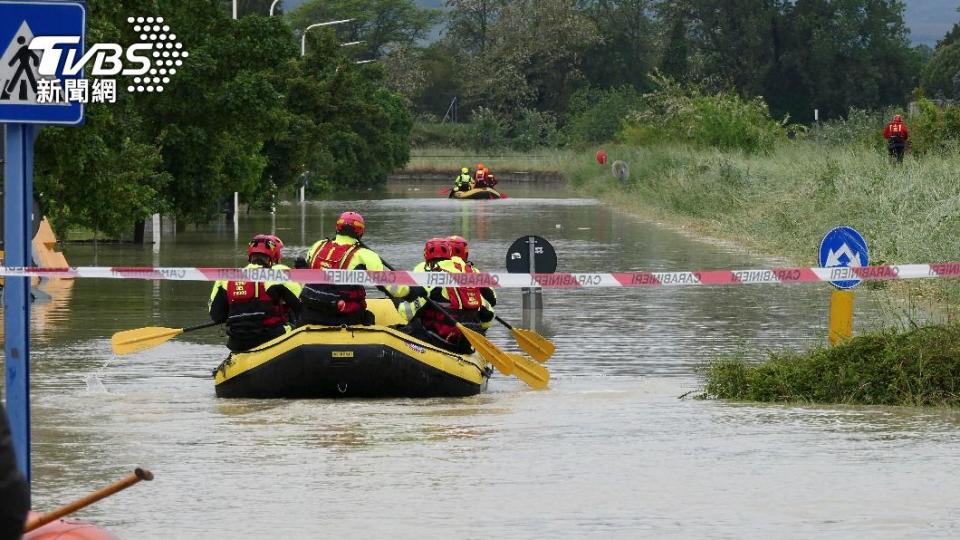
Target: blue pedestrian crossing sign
column 844, row 247
column 20, row 23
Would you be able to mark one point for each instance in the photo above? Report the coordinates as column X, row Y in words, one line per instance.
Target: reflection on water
column 608, row 451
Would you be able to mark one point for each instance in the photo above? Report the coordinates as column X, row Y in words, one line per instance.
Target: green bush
column 917, row 367
column 935, row 128
column 487, row 130
column 685, row 115
column 533, row 129
column 861, row 128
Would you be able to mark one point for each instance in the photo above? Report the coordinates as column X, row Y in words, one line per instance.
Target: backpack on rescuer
column 344, row 299
column 251, row 310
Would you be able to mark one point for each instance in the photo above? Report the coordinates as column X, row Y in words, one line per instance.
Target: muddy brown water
column 609, row 451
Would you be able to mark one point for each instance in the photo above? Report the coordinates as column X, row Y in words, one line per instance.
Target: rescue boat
column 477, row 193
column 316, row 361
column 68, row 529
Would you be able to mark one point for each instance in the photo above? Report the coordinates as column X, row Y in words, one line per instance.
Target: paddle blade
column 488, row 350
column 537, row 346
column 141, row 339
column 444, row 192
column 535, row 375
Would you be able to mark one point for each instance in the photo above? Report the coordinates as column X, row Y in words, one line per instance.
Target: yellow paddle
column 478, row 341
column 141, row 339
column 535, row 375
column 537, row 346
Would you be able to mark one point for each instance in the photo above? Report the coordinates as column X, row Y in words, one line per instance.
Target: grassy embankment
column 782, row 203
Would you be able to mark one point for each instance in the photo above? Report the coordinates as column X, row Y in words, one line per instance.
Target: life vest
column 481, row 178
column 463, row 303
column 896, row 130
column 462, row 182
column 251, row 309
column 333, row 256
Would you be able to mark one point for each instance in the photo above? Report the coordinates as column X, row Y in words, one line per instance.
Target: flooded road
column 609, row 451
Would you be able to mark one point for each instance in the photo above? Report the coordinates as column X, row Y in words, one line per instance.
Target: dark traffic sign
column 544, row 256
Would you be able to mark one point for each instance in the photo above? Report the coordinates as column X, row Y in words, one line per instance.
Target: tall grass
column 920, row 367
column 785, row 201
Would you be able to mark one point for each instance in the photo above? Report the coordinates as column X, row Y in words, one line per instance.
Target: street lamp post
column 273, row 5
column 303, row 38
column 234, row 9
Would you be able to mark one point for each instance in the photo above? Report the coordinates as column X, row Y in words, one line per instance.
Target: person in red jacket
column 896, row 134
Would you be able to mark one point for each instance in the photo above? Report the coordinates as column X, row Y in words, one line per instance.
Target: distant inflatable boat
column 478, row 193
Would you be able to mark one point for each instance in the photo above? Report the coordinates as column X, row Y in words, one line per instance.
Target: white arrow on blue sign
column 846, row 248
column 20, row 22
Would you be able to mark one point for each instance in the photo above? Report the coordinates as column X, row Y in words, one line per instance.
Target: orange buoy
column 67, row 529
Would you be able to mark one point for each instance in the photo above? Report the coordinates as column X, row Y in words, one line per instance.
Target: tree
column 534, row 58
column 626, row 49
column 357, row 131
column 674, row 61
column 469, row 23
column 842, row 54
column 382, row 25
column 107, row 174
column 941, row 77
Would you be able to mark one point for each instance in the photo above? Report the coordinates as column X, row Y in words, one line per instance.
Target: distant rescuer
column 256, row 312
column 13, row 489
column 463, row 182
column 335, row 305
column 896, row 134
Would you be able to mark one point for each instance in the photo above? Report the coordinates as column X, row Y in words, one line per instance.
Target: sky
column 928, row 20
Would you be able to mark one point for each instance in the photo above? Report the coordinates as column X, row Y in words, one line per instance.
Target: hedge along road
column 608, row 451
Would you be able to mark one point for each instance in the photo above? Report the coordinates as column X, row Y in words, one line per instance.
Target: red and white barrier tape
column 503, row 280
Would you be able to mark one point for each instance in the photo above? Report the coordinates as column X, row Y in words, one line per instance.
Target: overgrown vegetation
column 919, row 367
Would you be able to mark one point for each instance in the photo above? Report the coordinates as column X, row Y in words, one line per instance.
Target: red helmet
column 897, row 119
column 437, row 248
column 458, row 246
column 351, row 221
column 265, row 244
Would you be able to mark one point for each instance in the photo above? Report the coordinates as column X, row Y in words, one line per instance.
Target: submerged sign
column 21, row 84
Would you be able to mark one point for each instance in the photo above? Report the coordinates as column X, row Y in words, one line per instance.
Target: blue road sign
column 844, row 247
column 20, row 22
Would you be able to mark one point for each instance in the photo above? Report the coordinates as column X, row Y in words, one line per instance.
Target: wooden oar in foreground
column 39, row 521
column 141, row 339
column 537, row 346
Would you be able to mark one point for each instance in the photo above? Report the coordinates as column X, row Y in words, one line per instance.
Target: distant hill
column 928, row 20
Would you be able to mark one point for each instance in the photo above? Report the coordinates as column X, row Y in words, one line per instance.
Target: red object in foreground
column 601, row 157
column 67, row 529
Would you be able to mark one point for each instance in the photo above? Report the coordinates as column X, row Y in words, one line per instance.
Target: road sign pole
column 533, row 299
column 17, row 209
column 841, row 316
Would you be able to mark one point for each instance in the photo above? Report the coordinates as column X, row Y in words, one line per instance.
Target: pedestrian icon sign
column 18, row 69
column 20, row 23
column 844, row 247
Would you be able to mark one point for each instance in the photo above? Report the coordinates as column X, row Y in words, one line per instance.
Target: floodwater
column 609, row 451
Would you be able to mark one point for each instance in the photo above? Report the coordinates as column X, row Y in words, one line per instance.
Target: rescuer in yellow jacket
column 465, row 304
column 336, row 305
column 461, row 253
column 463, row 182
column 256, row 312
